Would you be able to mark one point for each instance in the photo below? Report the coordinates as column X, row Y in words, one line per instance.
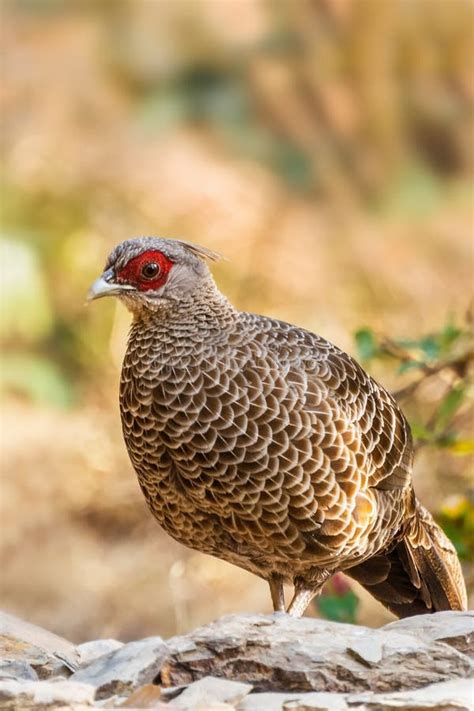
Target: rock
column 47, row 653
column 210, row 690
column 312, row 701
column 125, row 669
column 455, row 695
column 214, row 706
column 146, row 697
column 265, row 701
column 15, row 695
column 317, row 701
column 249, row 663
column 44, row 665
column 453, row 628
column 369, row 650
column 89, row 651
column 17, row 670
column 281, row 653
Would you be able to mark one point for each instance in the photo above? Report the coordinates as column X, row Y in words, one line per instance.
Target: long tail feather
column 420, row 574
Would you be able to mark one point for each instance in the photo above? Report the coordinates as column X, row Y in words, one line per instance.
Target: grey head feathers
column 150, row 274
column 175, row 249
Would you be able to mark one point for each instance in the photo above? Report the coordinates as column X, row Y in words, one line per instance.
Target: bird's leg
column 278, row 594
column 304, row 593
column 301, row 600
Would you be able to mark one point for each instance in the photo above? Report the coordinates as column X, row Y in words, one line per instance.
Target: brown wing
column 364, row 445
column 382, row 431
column 324, row 450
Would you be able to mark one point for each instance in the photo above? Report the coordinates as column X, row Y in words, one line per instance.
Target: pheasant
column 264, row 445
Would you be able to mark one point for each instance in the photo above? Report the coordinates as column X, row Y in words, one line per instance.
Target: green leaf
column 366, row 344
column 420, row 432
column 408, row 365
column 448, row 336
column 430, row 347
column 340, row 608
column 449, row 404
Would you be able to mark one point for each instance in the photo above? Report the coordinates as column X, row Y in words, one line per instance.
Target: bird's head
column 149, row 272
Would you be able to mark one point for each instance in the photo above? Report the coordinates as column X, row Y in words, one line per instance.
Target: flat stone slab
column 125, row 669
column 16, row 695
column 319, row 701
column 18, row 670
column 456, row 695
column 248, row 663
column 44, row 651
column 281, row 653
column 455, row 629
column 90, row 651
column 210, row 690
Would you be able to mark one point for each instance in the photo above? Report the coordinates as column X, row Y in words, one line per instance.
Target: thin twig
column 457, row 366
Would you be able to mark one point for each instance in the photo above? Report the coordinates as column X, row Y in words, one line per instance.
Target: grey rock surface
column 211, row 690
column 46, row 652
column 312, row 701
column 455, row 629
column 15, row 695
column 281, row 653
column 17, row 670
column 90, row 651
column 249, row 663
column 452, row 695
column 456, row 695
column 124, row 669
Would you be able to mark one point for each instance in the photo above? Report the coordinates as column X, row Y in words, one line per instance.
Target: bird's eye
column 150, row 270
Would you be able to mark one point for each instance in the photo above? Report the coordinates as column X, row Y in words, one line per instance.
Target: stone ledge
column 247, row 663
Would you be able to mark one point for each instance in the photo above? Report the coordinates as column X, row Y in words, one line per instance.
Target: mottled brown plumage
column 263, row 444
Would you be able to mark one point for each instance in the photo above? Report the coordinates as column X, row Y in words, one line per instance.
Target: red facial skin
column 132, row 271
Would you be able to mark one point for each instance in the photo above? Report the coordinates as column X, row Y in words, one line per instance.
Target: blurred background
column 326, row 148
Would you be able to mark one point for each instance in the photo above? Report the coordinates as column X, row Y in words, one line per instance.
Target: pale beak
column 103, row 287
